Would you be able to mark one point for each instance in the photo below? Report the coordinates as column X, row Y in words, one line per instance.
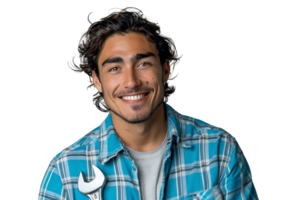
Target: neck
column 145, row 136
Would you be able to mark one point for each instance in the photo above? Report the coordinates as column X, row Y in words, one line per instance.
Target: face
column 131, row 76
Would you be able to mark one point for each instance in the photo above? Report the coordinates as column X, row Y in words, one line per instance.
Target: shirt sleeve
column 51, row 187
column 237, row 183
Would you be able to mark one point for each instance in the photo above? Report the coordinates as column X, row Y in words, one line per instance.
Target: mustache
column 133, row 91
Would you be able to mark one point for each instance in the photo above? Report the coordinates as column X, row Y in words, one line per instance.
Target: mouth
column 134, row 97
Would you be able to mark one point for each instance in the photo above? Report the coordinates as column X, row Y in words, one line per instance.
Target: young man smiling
column 132, row 82
column 145, row 149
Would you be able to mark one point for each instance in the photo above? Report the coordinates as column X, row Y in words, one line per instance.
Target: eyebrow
column 132, row 59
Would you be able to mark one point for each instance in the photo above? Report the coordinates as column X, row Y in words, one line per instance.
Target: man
column 141, row 124
column 144, row 148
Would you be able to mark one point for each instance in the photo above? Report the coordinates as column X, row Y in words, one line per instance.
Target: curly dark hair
column 122, row 22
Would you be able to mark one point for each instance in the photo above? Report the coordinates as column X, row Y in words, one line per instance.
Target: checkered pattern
column 201, row 162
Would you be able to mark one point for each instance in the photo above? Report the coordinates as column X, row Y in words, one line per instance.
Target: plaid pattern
column 201, row 162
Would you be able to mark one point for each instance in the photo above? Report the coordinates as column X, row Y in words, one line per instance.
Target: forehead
column 126, row 46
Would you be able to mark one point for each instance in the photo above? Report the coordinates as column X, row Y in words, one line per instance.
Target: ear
column 96, row 81
column 166, row 71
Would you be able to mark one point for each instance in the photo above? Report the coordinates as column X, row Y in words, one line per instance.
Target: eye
column 113, row 69
column 145, row 63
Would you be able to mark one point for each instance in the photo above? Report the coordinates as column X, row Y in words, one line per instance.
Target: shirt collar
column 110, row 144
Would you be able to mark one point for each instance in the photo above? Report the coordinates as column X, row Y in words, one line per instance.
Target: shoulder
column 79, row 146
column 193, row 128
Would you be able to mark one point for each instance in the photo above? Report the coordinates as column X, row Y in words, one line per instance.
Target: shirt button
column 134, row 168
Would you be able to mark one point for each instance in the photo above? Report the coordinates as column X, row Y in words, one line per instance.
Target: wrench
column 94, row 188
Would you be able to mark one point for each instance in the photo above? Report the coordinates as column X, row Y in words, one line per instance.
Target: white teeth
column 136, row 97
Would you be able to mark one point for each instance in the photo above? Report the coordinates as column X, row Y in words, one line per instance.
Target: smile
column 134, row 97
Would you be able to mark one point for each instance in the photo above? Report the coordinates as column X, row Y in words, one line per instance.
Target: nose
column 131, row 78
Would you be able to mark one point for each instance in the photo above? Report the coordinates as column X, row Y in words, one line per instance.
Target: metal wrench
column 94, row 188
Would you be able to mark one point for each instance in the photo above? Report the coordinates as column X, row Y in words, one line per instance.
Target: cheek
column 109, row 85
